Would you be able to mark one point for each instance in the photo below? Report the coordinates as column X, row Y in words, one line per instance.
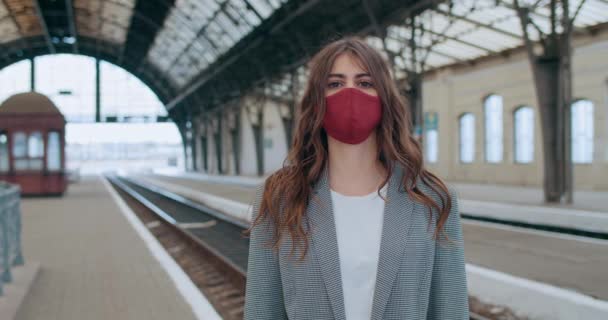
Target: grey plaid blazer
column 417, row 277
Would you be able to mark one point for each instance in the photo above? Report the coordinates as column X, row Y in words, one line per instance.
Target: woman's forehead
column 348, row 64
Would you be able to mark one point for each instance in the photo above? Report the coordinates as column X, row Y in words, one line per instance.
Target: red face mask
column 351, row 115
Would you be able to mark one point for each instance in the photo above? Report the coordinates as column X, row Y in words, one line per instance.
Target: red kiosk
column 32, row 144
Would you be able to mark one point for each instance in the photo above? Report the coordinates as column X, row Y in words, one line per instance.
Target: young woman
column 376, row 235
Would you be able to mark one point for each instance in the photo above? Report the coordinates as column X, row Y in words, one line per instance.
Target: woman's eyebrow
column 341, row 75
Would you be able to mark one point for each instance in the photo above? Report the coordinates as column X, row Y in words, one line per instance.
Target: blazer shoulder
column 438, row 194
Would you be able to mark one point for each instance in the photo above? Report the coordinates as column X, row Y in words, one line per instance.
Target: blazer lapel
column 398, row 218
column 325, row 242
column 396, row 224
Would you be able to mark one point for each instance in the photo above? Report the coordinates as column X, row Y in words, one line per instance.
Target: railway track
column 207, row 244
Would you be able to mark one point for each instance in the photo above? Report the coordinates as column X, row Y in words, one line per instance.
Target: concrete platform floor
column 93, row 264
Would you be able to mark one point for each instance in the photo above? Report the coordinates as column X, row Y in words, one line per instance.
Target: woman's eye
column 367, row 84
column 333, row 84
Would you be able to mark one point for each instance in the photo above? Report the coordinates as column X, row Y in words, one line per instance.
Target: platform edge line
column 200, row 305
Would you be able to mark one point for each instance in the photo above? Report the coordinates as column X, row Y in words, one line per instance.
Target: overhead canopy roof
column 194, row 53
column 470, row 29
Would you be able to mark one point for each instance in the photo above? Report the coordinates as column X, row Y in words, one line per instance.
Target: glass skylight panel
column 463, row 7
column 208, row 5
column 458, row 50
column 374, row 42
column 206, row 45
column 203, row 32
column 210, row 56
column 543, row 23
column 459, row 27
column 510, row 26
column 240, row 6
column 200, row 61
column 275, row 3
column 435, row 60
column 490, row 16
column 494, row 40
column 214, row 34
column 592, row 12
column 399, row 61
column 197, row 48
column 427, row 39
column 179, row 73
column 245, row 19
column 262, row 7
column 484, row 39
column 588, row 17
column 393, row 45
column 227, row 26
column 397, row 32
column 194, row 20
column 186, row 67
column 437, row 21
column 533, row 33
column 175, row 34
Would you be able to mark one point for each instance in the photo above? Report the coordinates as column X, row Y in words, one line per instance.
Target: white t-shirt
column 358, row 222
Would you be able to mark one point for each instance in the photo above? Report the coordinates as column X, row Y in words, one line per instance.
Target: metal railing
column 10, row 231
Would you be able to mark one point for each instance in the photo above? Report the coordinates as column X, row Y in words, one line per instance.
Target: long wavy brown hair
column 288, row 190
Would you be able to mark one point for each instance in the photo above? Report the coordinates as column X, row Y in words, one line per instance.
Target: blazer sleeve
column 264, row 291
column 448, row 295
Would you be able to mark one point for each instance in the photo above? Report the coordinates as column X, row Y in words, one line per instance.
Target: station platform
column 588, row 214
column 550, row 260
column 93, row 263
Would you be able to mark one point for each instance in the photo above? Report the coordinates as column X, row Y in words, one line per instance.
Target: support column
column 32, row 74
column 288, row 114
column 217, row 128
column 234, row 126
column 553, row 83
column 287, row 119
column 256, row 118
column 97, row 92
column 204, row 145
column 193, row 135
column 413, row 92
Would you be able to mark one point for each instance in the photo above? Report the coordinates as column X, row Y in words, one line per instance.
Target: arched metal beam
column 31, row 47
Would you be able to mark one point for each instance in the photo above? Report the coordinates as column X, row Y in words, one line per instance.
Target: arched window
column 28, row 150
column 524, row 134
column 4, row 164
column 53, row 156
column 35, row 150
column 20, row 151
column 467, row 137
column 492, row 107
column 582, row 131
column 431, row 136
column 35, row 146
